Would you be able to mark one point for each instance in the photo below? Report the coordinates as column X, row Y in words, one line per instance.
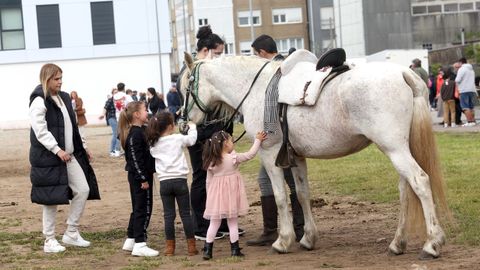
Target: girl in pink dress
column 226, row 196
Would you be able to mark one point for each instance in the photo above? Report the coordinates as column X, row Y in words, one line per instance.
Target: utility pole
column 252, row 30
column 159, row 47
column 311, row 22
column 184, row 25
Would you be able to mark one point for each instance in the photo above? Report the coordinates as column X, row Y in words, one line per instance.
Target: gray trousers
column 266, row 185
column 79, row 186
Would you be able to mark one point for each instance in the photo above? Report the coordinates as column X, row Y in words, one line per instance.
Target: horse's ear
column 188, row 60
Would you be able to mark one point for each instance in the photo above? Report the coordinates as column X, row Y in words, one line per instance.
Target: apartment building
column 96, row 43
column 187, row 16
column 285, row 20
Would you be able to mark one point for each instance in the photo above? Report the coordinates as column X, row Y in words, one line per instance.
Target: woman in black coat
column 60, row 168
column 154, row 103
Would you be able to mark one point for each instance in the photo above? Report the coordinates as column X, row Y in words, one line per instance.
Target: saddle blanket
column 300, row 84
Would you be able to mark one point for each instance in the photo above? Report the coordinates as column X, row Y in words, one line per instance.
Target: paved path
column 437, row 120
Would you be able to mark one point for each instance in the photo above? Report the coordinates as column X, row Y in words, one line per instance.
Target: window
column 434, row 9
column 287, row 15
column 103, row 24
column 326, row 18
column 202, row 22
column 450, row 7
column 466, row 6
column 229, row 49
column 244, row 18
column 477, row 4
column 283, row 45
column 245, row 48
column 427, row 46
column 418, row 10
column 48, row 22
column 11, row 26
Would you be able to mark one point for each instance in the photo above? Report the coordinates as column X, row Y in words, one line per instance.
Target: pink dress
column 226, row 196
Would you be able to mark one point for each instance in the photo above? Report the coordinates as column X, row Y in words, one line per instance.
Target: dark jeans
column 198, row 189
column 141, row 209
column 170, row 190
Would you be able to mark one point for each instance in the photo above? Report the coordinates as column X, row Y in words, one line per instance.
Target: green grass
column 370, row 176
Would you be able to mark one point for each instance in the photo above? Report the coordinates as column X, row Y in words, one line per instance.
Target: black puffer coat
column 49, row 173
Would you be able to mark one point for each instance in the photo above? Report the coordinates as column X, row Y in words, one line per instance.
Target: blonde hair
column 125, row 120
column 47, row 72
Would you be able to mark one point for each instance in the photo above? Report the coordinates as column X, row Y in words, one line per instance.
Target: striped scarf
column 271, row 113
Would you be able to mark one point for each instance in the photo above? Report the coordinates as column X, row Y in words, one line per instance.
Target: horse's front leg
column 286, row 234
column 300, row 175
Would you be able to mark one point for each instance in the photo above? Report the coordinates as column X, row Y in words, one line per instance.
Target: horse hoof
column 276, row 251
column 426, row 256
column 306, row 246
column 394, row 252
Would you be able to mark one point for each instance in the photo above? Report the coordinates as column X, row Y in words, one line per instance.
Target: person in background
column 154, row 103
column 143, row 97
column 417, row 68
column 60, row 163
column 109, row 113
column 77, row 104
column 174, row 102
column 466, row 86
column 291, row 50
column 121, row 99
column 448, row 91
column 134, row 95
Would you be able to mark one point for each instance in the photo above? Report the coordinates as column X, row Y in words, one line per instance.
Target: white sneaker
column 52, row 246
column 74, row 239
column 116, row 154
column 454, row 125
column 141, row 249
column 129, row 243
column 445, row 125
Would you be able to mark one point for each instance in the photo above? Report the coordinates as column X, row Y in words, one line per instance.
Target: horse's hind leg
column 399, row 243
column 310, row 235
column 419, row 181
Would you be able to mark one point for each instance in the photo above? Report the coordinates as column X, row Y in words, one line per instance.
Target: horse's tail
column 424, row 150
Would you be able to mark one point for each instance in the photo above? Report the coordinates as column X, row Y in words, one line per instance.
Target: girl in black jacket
column 140, row 168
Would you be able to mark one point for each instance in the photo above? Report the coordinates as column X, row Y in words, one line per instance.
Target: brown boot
column 169, row 248
column 192, row 249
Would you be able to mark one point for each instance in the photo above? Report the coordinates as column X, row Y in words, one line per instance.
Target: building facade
column 365, row 27
column 96, row 43
column 284, row 20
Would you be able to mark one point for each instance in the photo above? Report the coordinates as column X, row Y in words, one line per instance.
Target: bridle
column 192, row 90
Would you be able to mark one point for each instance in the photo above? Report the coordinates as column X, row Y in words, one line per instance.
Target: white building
column 96, row 43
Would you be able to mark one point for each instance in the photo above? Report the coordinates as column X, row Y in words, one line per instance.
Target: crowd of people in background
column 452, row 91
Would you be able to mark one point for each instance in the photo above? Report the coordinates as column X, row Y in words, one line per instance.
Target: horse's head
column 196, row 103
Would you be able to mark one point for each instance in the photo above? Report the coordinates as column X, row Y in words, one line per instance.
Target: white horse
column 378, row 103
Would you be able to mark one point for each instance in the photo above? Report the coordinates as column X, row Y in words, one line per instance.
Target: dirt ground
column 353, row 234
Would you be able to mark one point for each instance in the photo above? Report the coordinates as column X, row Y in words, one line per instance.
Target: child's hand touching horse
column 262, row 136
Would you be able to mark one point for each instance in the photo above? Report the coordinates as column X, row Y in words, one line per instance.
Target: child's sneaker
column 141, row 250
column 445, row 125
column 128, row 245
column 74, row 239
column 52, row 246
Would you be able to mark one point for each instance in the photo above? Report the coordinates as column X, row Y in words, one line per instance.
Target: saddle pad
column 301, row 85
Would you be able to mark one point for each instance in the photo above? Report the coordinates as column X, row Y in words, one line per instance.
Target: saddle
column 303, row 77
